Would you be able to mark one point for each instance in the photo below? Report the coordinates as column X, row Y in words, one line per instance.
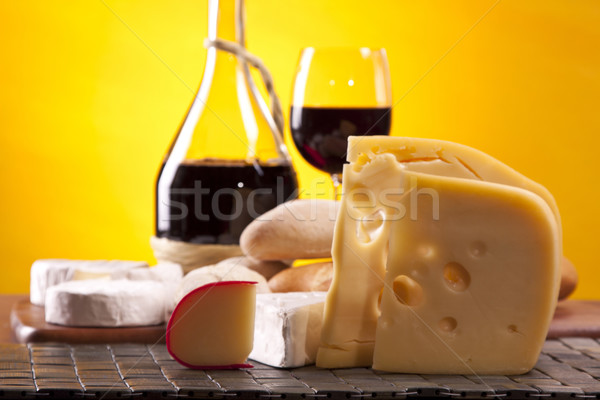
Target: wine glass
column 338, row 92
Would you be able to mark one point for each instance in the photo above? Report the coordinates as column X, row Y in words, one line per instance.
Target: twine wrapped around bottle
column 246, row 57
column 191, row 255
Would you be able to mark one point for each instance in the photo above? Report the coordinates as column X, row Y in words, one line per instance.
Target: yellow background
column 92, row 92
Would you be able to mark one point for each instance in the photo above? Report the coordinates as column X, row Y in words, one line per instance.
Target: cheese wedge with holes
column 470, row 284
column 380, row 185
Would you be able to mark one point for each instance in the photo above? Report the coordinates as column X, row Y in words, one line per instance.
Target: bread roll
column 568, row 281
column 292, row 230
column 307, row 278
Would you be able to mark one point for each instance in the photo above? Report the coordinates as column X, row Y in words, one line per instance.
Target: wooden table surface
column 553, row 376
column 6, row 304
column 572, row 318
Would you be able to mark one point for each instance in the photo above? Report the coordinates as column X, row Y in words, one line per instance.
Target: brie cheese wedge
column 103, row 303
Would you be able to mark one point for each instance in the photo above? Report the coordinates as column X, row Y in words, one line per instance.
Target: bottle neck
column 222, row 22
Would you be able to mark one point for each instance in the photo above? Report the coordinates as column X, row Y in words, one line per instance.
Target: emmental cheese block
column 473, row 291
column 384, row 186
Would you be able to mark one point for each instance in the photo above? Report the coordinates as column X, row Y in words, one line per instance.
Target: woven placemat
column 567, row 368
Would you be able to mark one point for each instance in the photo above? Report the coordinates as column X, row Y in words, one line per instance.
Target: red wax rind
column 173, row 318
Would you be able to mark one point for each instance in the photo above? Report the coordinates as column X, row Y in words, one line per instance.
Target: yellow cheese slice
column 359, row 254
column 375, row 191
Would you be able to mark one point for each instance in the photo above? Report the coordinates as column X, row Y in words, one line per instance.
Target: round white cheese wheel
column 169, row 274
column 100, row 303
column 113, row 269
column 49, row 272
column 163, row 272
column 46, row 273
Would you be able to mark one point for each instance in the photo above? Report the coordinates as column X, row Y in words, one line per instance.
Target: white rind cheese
column 114, row 269
column 102, row 303
column 163, row 272
column 288, row 328
column 49, row 272
column 169, row 274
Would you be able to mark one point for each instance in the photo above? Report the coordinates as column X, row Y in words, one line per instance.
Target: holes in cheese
column 360, row 194
column 212, row 327
column 447, row 325
column 407, row 291
column 456, row 277
column 477, row 249
column 370, row 226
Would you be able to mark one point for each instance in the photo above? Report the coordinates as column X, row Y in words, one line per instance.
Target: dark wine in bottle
column 212, row 201
column 321, row 134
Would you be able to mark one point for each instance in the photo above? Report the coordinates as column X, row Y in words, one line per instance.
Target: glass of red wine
column 338, row 92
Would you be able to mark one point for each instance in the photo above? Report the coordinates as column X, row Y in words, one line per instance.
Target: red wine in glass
column 321, row 134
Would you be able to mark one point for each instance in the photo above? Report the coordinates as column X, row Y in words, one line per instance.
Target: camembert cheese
column 103, row 303
column 46, row 273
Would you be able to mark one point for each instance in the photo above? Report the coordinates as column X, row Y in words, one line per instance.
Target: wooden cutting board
column 28, row 325
column 576, row 318
column 572, row 318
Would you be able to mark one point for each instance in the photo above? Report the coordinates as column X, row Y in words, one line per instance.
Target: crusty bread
column 568, row 281
column 292, row 230
column 307, row 278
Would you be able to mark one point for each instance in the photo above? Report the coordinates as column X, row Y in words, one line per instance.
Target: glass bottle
column 227, row 164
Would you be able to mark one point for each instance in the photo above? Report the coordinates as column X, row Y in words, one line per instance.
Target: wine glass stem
column 337, row 185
